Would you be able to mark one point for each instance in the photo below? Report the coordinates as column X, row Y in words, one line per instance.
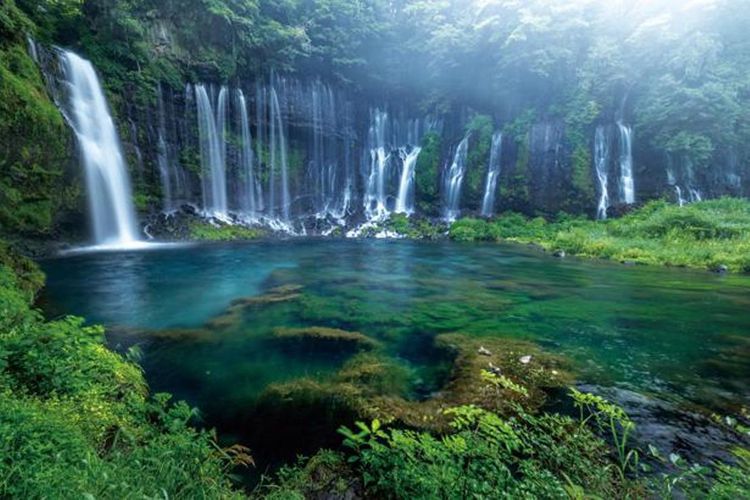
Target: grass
column 206, row 231
column 706, row 235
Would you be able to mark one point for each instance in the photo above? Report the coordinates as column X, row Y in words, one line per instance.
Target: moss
column 427, row 175
column 372, row 386
column 34, row 142
column 206, row 231
column 314, row 335
column 232, row 316
column 480, row 129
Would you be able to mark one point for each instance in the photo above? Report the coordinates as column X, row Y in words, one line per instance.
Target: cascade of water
column 162, row 155
column 493, row 172
column 454, row 179
column 278, row 156
column 409, row 155
column 405, row 199
column 109, row 192
column 627, row 185
column 247, row 188
column 375, row 198
column 680, row 199
column 261, row 112
column 211, row 131
column 172, row 176
column 601, row 163
column 31, row 47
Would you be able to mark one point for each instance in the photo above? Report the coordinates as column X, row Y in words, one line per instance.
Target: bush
column 76, row 420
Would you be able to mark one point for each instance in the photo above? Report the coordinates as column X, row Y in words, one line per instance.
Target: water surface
column 671, row 345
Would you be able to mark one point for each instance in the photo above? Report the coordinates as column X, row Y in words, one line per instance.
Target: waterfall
column 211, row 131
column 375, row 198
column 247, row 187
column 261, row 112
column 454, row 181
column 680, row 199
column 31, row 48
column 408, row 155
column 493, row 172
column 601, row 163
column 172, row 176
column 109, row 192
column 162, row 156
column 278, row 156
column 627, row 185
column 405, row 199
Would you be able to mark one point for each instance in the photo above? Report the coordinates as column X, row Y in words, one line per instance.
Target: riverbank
column 712, row 235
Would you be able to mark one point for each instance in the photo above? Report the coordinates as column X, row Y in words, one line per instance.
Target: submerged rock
column 319, row 334
column 373, row 386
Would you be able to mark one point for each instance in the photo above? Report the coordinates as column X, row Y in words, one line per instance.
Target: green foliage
column 480, row 129
column 484, row 455
column 708, row 234
column 33, row 138
column 206, row 231
column 76, row 420
column 427, row 189
column 610, row 419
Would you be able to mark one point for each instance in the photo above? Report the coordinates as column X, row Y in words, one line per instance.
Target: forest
column 374, row 249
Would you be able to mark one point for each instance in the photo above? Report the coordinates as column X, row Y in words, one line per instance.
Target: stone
column 560, row 254
column 484, row 351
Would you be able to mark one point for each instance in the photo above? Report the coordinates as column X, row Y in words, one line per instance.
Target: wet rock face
column 329, row 150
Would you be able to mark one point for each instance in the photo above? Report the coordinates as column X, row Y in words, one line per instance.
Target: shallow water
column 669, row 344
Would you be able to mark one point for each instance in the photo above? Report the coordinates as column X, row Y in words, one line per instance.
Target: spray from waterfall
column 109, row 192
column 493, row 172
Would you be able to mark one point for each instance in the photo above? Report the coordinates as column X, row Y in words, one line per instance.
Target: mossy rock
column 327, row 336
column 281, row 293
column 232, row 316
column 497, row 374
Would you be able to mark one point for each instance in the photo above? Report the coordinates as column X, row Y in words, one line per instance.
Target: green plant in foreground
column 612, row 419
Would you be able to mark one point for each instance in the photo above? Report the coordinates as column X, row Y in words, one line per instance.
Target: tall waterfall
column 405, row 199
column 493, row 172
column 408, row 154
column 173, row 181
column 279, row 164
column 454, row 179
column 375, row 197
column 212, row 131
column 247, row 186
column 627, row 185
column 601, row 163
column 109, row 192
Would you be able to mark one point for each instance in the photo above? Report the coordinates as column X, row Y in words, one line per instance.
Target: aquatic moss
column 322, row 335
